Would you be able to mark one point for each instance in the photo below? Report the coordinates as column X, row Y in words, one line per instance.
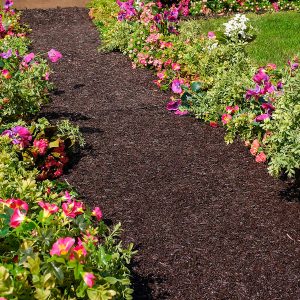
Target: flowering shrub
column 207, row 7
column 52, row 245
column 44, row 146
column 56, row 248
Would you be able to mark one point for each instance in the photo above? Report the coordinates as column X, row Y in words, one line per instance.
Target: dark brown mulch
column 208, row 221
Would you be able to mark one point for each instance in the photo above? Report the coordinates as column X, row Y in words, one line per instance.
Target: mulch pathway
column 209, row 222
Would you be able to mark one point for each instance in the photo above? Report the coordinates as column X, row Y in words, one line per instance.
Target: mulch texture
column 209, row 222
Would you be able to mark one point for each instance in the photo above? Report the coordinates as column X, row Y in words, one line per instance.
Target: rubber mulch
column 209, row 222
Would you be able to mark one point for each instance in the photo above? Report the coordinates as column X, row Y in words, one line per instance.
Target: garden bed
column 207, row 220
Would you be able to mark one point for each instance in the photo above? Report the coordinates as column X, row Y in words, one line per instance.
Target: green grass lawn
column 278, row 35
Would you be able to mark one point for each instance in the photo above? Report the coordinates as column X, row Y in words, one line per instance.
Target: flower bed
column 211, row 76
column 52, row 245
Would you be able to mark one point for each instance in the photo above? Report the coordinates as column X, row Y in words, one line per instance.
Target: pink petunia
column 97, row 213
column 17, row 204
column 28, row 58
column 262, row 117
column 261, row 76
column 261, row 157
column 62, row 246
column 179, row 112
column 49, row 208
column 6, row 74
column 89, row 279
column 54, row 55
column 211, row 35
column 17, row 218
column 176, row 86
column 226, row 118
column 173, row 105
column 73, row 208
column 78, row 252
column 175, row 66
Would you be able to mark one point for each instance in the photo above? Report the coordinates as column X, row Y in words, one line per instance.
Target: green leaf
column 111, row 280
column 196, row 86
column 54, row 144
column 57, row 271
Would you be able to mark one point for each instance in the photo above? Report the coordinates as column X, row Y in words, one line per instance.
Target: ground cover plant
column 210, row 74
column 52, row 245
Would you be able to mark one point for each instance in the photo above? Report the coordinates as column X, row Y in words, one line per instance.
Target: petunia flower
column 49, row 208
column 173, row 105
column 226, row 118
column 97, row 213
column 17, row 204
column 181, row 112
column 7, row 54
column 213, row 124
column 73, row 208
column 17, row 218
column 62, row 246
column 54, row 55
column 254, row 147
column 176, row 86
column 28, row 58
column 211, row 35
column 175, row 66
column 261, row 157
column 261, row 76
column 78, row 252
column 6, row 74
column 89, row 279
column 262, row 117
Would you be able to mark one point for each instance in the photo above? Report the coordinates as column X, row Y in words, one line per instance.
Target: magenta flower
column 97, row 213
column 176, row 86
column 8, row 4
column 17, row 218
column 17, row 204
column 275, row 6
column 28, row 58
column 49, row 208
column 173, row 105
column 62, row 246
column 78, row 252
column 179, row 112
column 73, row 208
column 175, row 66
column 6, row 74
column 41, row 145
column 54, row 55
column 262, row 117
column 89, row 279
column 261, row 76
column 226, row 118
column 211, row 35
column 253, row 92
column 7, row 54
column 20, row 136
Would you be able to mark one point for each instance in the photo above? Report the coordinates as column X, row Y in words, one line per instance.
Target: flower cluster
column 237, row 27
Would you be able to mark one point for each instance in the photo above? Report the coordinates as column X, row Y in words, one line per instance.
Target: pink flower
column 78, row 252
column 261, row 76
column 49, row 208
column 211, row 35
column 6, row 74
column 181, row 112
column 161, row 75
column 262, row 117
column 232, row 109
column 271, row 66
column 17, row 204
column 41, row 145
column 97, row 213
column 176, row 86
column 226, row 118
column 28, row 58
column 89, row 279
column 54, row 55
column 254, row 147
column 261, row 157
column 17, row 218
column 173, row 105
column 275, row 6
column 73, row 208
column 175, row 66
column 213, row 124
column 46, row 76
column 62, row 246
